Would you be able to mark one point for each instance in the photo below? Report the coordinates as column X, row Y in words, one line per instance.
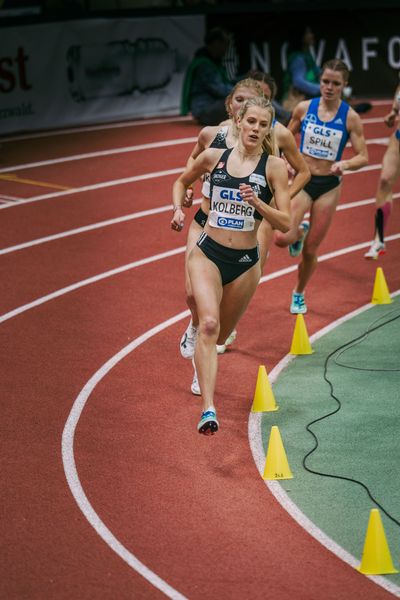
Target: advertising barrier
column 81, row 72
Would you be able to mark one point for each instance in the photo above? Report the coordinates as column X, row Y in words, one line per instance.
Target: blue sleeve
column 209, row 79
column 298, row 72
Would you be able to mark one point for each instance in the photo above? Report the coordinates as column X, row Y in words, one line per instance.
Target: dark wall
column 368, row 39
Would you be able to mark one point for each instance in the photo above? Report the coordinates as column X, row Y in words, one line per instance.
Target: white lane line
column 76, row 411
column 381, row 141
column 71, row 472
column 133, row 179
column 323, row 258
column 84, row 282
column 98, row 186
column 79, row 284
column 381, row 102
column 361, row 202
column 78, row 130
column 138, row 215
column 126, row 149
column 370, row 120
column 138, row 123
column 257, row 449
column 110, row 152
column 363, row 169
column 10, row 198
column 84, row 229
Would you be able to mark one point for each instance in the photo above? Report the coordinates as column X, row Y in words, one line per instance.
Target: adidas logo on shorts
column 246, row 259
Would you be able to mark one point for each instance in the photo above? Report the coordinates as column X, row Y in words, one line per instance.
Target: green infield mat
column 354, row 374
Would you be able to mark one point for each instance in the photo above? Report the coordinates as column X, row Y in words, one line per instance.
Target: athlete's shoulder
column 282, row 134
column 213, row 154
column 353, row 119
column 275, row 164
column 301, row 109
column 207, row 134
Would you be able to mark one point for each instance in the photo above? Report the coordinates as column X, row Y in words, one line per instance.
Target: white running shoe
column 188, row 341
column 377, row 249
column 231, row 338
column 195, row 387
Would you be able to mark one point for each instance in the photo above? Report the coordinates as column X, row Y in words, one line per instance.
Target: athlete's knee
column 310, row 253
column 385, row 183
column 209, row 326
column 281, row 239
column 263, row 260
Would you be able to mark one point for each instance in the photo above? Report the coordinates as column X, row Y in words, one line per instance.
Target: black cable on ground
column 341, row 350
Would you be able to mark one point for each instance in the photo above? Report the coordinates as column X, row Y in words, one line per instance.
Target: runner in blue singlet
column 325, row 125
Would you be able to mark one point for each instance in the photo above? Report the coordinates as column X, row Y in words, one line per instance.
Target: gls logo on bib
column 229, row 194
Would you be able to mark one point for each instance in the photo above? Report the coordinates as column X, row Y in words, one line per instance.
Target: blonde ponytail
column 269, row 144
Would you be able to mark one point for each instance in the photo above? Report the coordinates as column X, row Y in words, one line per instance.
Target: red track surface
column 194, row 510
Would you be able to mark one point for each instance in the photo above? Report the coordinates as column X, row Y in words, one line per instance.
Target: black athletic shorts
column 230, row 261
column 201, row 217
column 320, row 184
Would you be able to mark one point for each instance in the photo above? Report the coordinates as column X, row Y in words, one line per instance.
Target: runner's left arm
column 360, row 158
column 278, row 212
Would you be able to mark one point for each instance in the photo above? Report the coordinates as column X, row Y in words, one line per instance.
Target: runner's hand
column 188, row 199
column 390, row 119
column 247, row 193
column 338, row 168
column 178, row 220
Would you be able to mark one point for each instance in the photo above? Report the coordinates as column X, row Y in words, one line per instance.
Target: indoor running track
column 108, row 491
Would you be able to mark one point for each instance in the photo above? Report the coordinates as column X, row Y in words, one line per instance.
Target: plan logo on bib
column 228, row 223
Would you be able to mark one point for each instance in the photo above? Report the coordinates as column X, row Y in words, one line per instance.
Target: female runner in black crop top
column 222, row 136
column 223, row 267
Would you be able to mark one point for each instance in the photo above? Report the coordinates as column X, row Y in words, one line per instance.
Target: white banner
column 91, row 71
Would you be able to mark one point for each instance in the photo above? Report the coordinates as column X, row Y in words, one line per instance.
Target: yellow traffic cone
column 381, row 294
column 276, row 463
column 300, row 342
column 376, row 559
column 264, row 399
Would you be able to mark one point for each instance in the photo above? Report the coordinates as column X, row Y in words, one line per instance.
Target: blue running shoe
column 208, row 424
column 296, row 248
column 298, row 306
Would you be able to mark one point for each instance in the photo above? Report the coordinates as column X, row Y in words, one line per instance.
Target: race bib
column 258, row 179
column 228, row 211
column 321, row 142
